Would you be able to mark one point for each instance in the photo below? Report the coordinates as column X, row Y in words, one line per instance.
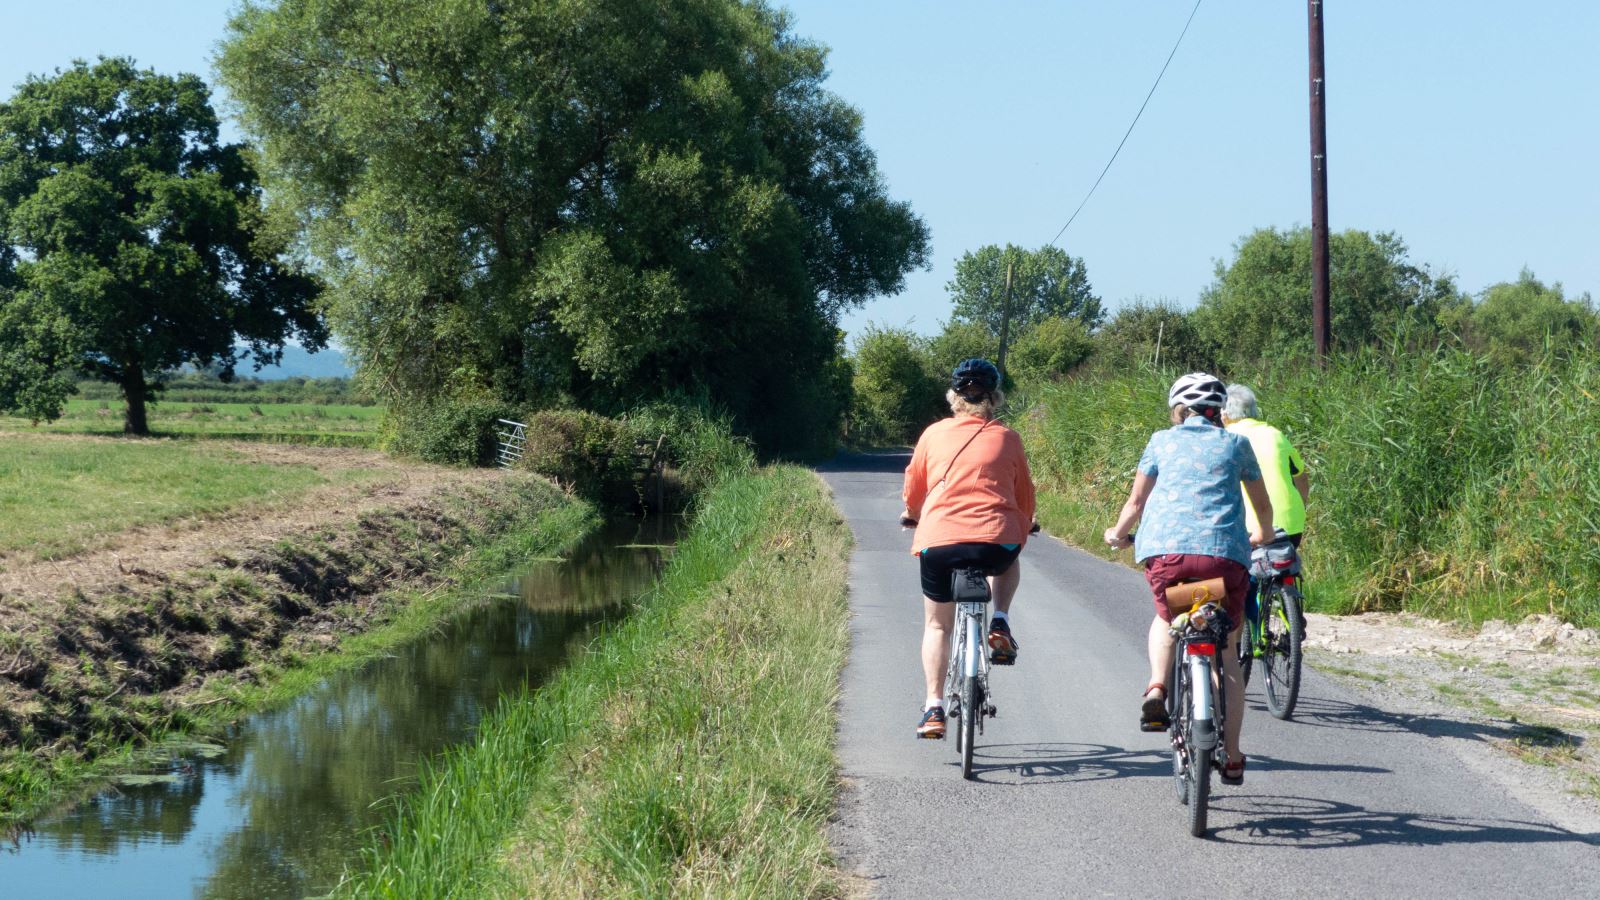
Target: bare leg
column 1235, row 714
column 1003, row 587
column 938, row 621
column 1161, row 652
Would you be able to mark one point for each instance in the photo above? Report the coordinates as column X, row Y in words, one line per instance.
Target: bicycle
column 966, row 680
column 1197, row 706
column 1276, row 627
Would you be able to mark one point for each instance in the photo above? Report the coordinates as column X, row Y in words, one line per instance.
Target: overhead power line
column 1131, row 125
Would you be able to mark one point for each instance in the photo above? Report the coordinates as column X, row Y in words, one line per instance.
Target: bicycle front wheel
column 1284, row 624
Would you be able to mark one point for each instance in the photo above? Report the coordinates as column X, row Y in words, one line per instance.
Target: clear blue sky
column 1471, row 128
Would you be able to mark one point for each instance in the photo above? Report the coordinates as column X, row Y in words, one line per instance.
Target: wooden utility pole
column 1005, row 323
column 1320, row 323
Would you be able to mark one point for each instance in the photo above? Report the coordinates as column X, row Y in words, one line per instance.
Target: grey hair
column 1241, row 403
column 987, row 408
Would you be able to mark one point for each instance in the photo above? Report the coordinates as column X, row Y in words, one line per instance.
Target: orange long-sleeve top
column 987, row 495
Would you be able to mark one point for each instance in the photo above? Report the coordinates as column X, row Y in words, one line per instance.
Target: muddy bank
column 130, row 649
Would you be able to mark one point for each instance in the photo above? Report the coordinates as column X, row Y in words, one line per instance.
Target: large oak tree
column 606, row 199
column 131, row 241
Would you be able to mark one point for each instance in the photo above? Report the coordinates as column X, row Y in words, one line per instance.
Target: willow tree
column 131, row 241
column 603, row 198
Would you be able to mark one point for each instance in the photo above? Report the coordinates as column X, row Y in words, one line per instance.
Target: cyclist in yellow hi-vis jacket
column 1282, row 468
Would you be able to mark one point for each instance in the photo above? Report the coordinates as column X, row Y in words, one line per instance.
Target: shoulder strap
column 963, row 450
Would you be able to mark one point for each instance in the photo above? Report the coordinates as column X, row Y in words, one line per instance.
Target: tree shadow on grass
column 1066, row 762
column 1313, row 824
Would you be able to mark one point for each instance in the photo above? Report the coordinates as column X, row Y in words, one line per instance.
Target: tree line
column 1255, row 315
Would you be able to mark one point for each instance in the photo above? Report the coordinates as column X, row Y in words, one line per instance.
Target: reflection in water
column 282, row 810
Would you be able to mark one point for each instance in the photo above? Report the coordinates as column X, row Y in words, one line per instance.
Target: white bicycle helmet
column 1197, row 389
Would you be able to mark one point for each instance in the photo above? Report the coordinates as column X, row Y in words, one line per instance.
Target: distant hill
column 301, row 363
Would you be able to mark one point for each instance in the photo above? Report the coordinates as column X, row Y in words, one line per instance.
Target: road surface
column 1072, row 800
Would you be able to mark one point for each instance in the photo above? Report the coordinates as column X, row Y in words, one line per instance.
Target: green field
column 58, row 496
column 344, row 425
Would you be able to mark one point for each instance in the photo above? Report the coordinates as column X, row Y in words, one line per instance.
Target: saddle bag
column 1274, row 560
column 1183, row 597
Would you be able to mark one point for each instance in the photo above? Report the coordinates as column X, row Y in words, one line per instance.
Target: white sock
column 932, row 702
column 1002, row 616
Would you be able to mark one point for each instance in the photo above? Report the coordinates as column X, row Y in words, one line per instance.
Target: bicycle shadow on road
column 1312, row 824
column 1323, row 713
column 1065, row 762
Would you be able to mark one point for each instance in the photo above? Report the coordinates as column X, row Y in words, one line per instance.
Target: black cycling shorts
column 939, row 562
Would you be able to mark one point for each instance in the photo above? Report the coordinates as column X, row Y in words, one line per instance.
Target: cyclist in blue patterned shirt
column 1192, row 527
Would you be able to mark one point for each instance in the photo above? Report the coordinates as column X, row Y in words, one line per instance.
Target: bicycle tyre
column 1199, row 792
column 1177, row 727
column 1200, row 764
column 971, row 709
column 1247, row 643
column 1281, row 665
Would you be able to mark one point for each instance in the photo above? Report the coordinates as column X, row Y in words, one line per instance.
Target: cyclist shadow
column 1319, row 712
column 1064, row 762
column 1307, row 823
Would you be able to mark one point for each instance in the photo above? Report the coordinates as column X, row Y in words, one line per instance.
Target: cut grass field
column 689, row 752
column 60, row 495
column 345, row 425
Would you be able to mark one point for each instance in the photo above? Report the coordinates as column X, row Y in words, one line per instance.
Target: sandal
column 1233, row 772
column 1153, row 713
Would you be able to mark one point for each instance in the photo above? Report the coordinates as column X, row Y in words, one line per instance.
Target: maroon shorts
column 1174, row 568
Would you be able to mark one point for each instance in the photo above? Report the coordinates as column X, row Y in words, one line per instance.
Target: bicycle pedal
column 1154, row 726
column 991, row 710
column 931, row 737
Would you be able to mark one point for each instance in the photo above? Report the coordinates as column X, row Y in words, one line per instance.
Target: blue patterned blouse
column 1196, row 506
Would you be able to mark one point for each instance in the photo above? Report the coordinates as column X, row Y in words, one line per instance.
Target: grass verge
column 689, row 752
column 95, row 681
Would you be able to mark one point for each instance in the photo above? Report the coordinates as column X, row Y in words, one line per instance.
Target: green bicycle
column 1275, row 624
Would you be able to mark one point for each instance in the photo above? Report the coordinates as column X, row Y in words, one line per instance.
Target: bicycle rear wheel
column 1177, row 700
column 971, row 709
column 1283, row 621
column 1199, row 761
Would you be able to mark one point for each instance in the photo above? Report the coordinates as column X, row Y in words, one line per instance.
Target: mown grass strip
column 690, row 752
column 56, row 495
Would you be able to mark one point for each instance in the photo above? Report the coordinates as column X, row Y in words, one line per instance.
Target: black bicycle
column 1197, row 705
column 1276, row 628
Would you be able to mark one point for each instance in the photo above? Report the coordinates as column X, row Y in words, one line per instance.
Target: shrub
column 896, row 393
column 1049, row 349
column 588, row 453
column 1152, row 333
column 699, row 441
column 453, row 432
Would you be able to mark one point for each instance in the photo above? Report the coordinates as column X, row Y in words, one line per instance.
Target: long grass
column 1440, row 484
column 688, row 753
column 58, row 496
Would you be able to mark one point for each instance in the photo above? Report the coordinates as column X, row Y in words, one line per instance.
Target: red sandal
column 1233, row 772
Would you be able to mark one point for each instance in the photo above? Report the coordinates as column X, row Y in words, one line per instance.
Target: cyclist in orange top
column 970, row 495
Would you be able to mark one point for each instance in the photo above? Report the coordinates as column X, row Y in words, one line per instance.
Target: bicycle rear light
column 1288, row 580
column 1201, row 649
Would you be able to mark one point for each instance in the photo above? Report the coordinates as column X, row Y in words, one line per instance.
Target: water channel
column 282, row 804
